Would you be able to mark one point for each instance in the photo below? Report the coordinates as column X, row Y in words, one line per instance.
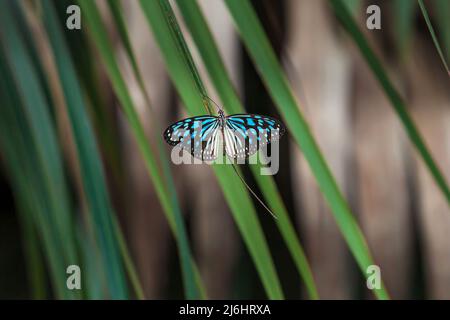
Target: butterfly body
column 238, row 135
column 221, row 119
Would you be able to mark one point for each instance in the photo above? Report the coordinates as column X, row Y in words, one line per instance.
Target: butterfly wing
column 200, row 136
column 245, row 134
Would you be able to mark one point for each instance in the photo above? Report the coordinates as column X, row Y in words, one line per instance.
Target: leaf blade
column 222, row 82
column 192, row 285
column 260, row 51
column 190, row 88
column 394, row 97
column 424, row 11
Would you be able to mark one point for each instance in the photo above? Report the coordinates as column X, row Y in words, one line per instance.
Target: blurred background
column 54, row 213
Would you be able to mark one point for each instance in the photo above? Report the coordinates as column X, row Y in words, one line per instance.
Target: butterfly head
column 221, row 118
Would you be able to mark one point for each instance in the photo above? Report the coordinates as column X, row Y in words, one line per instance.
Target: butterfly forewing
column 245, row 134
column 197, row 135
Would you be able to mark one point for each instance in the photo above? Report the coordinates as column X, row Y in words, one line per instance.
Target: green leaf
column 433, row 35
column 99, row 204
column 392, row 94
column 187, row 81
column 441, row 9
column 116, row 11
column 354, row 6
column 259, row 49
column 99, row 109
column 39, row 179
column 34, row 260
column 207, row 48
column 16, row 163
column 169, row 202
column 404, row 11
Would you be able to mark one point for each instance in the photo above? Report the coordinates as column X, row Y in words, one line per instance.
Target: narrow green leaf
column 17, row 167
column 187, row 81
column 116, row 11
column 93, row 276
column 170, row 205
column 93, row 178
column 354, row 6
column 38, row 116
column 128, row 262
column 90, row 77
column 392, row 94
column 433, row 35
column 181, row 69
column 404, row 11
column 209, row 52
column 442, row 9
column 53, row 213
column 34, row 261
column 259, row 49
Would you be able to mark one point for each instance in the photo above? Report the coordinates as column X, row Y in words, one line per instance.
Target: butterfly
column 238, row 136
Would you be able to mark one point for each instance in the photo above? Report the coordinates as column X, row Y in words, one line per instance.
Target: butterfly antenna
column 253, row 193
column 217, row 105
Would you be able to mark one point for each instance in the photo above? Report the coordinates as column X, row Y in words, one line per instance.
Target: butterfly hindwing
column 245, row 134
column 197, row 135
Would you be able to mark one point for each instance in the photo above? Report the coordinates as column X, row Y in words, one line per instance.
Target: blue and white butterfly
column 239, row 135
